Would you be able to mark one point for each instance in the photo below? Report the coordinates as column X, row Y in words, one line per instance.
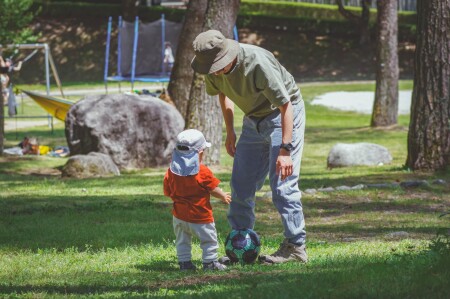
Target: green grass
column 113, row 238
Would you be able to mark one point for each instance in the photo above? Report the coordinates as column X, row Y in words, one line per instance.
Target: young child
column 168, row 57
column 190, row 184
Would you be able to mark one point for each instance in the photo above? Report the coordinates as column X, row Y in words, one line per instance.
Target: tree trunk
column 204, row 111
column 429, row 134
column 364, row 34
column 2, row 122
column 182, row 74
column 385, row 107
column 361, row 22
column 129, row 9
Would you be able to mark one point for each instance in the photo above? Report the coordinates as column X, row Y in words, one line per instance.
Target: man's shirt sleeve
column 269, row 79
column 211, row 89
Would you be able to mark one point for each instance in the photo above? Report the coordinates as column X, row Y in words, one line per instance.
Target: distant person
column 189, row 183
column 272, row 136
column 29, row 146
column 168, row 57
column 6, row 67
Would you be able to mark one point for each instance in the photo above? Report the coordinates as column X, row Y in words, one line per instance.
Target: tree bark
column 361, row 22
column 385, row 108
column 2, row 123
column 429, row 134
column 204, row 111
column 182, row 74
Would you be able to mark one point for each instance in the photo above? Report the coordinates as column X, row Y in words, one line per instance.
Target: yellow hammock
column 54, row 106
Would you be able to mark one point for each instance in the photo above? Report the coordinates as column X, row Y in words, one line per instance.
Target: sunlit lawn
column 113, row 238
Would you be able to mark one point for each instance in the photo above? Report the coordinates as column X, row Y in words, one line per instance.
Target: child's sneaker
column 186, row 266
column 214, row 266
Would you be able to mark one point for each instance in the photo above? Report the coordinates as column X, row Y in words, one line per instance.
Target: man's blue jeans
column 256, row 155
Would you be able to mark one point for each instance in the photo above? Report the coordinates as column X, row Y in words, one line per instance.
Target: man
column 272, row 134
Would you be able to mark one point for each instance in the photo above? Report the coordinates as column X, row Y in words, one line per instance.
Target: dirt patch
column 196, row 280
column 42, row 172
column 39, row 172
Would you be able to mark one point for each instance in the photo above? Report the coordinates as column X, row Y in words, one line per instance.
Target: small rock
column 90, row 165
column 439, row 182
column 381, row 186
column 343, row 188
column 358, row 187
column 310, row 191
column 328, row 189
column 398, row 235
column 363, row 153
column 414, row 184
column 349, row 239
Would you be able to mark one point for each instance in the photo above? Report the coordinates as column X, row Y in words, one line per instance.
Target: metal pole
column 47, row 78
column 119, row 51
column 47, row 70
column 55, row 73
column 119, row 48
column 108, row 42
column 135, row 44
column 163, row 41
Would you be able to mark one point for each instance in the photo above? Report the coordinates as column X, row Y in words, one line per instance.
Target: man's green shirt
column 257, row 84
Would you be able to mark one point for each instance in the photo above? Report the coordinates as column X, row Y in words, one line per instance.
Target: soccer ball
column 242, row 246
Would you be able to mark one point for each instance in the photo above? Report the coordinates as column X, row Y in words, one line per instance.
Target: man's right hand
column 230, row 143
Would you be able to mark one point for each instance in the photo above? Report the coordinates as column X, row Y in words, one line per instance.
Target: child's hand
column 226, row 198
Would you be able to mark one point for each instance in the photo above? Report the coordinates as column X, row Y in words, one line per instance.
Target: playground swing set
column 140, row 58
column 49, row 64
column 136, row 62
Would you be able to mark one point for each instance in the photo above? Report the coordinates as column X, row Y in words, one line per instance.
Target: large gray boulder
column 369, row 154
column 135, row 131
column 91, row 165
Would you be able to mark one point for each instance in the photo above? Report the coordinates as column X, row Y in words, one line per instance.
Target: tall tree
column 180, row 83
column 200, row 110
column 429, row 132
column 361, row 22
column 385, row 107
column 16, row 15
column 204, row 111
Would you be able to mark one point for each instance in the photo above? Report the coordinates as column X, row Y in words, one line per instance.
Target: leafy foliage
column 16, row 15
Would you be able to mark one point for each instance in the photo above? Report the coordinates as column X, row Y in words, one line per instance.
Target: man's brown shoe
column 286, row 253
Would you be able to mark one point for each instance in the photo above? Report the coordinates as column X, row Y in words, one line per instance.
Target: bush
column 300, row 10
column 311, row 18
column 103, row 10
column 297, row 16
column 91, row 1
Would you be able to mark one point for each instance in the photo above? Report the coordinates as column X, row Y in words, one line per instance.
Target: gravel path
column 360, row 101
column 12, row 124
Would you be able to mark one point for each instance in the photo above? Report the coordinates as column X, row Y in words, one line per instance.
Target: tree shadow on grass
column 159, row 266
column 60, row 222
column 381, row 175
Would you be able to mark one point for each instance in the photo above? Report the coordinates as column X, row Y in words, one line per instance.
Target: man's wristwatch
column 287, row 146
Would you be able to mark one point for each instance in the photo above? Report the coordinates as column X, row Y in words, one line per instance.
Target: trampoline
column 140, row 50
